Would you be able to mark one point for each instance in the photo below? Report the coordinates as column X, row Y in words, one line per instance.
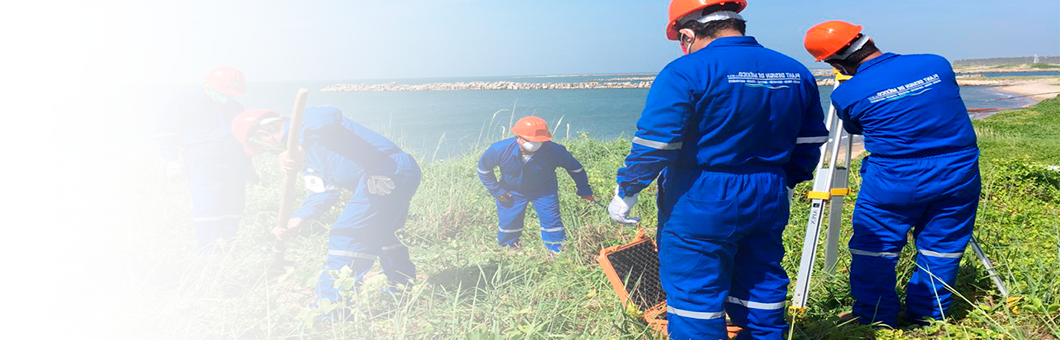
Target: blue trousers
column 936, row 198
column 367, row 229
column 511, row 216
column 218, row 197
column 720, row 250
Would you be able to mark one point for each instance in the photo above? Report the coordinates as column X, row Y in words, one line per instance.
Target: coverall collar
column 883, row 57
column 734, row 41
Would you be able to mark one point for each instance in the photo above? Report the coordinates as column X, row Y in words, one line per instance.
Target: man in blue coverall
column 528, row 165
column 922, row 174
column 338, row 153
column 194, row 138
column 730, row 126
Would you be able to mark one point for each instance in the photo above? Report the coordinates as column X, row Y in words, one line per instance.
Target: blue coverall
column 534, row 181
column 729, row 127
column 340, row 153
column 194, row 129
column 922, row 175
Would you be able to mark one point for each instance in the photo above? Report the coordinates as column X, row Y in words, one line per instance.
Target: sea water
column 439, row 124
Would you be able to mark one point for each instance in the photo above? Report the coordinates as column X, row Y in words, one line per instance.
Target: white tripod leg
column 1001, row 288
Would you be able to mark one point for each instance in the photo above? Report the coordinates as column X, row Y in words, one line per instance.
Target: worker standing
column 196, row 142
column 922, row 174
column 730, row 126
column 528, row 165
column 338, row 153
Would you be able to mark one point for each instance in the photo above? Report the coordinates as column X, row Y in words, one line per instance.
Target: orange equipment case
column 633, row 270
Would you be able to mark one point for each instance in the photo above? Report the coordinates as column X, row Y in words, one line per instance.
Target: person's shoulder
column 321, row 115
column 501, row 144
column 556, row 146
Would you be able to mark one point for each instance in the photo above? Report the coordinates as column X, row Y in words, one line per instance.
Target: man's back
column 749, row 104
column 906, row 106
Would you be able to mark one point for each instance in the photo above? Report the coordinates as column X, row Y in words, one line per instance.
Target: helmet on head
column 245, row 123
column 681, row 8
column 532, row 129
column 226, row 80
column 826, row 39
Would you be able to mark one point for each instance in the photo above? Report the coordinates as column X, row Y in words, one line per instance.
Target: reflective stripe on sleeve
column 351, row 254
column 872, row 253
column 695, row 315
column 657, row 145
column 484, row 172
column 942, row 255
column 755, row 305
column 394, row 246
column 809, row 140
column 577, row 171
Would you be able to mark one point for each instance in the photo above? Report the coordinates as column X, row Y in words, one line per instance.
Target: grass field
column 471, row 289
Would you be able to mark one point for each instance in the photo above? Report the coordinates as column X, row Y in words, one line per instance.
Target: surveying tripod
column 830, row 186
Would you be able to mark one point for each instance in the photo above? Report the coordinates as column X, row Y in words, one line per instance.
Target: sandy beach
column 1038, row 90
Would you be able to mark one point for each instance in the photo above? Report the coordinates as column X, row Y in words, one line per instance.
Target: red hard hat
column 828, row 38
column 244, row 123
column 680, row 8
column 227, row 80
column 533, row 129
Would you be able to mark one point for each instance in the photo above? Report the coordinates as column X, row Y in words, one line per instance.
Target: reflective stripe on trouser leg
column 757, row 297
column 357, row 256
column 940, row 245
column 510, row 220
column 357, row 238
column 395, row 261
column 218, row 197
column 552, row 232
column 696, row 302
column 878, row 238
column 219, row 219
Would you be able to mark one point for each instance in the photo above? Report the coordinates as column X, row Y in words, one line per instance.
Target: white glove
column 380, row 185
column 619, row 209
column 176, row 171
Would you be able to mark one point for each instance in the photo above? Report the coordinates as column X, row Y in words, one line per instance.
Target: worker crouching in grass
column 195, row 140
column 922, row 174
column 730, row 126
column 339, row 153
column 528, row 165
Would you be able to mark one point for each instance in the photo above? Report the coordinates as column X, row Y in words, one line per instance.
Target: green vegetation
column 471, row 289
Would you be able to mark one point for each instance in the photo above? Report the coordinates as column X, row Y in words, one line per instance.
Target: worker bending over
column 730, row 126
column 528, row 165
column 195, row 140
column 922, row 174
column 339, row 153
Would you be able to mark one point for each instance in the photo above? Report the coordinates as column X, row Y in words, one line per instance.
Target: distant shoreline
column 622, row 83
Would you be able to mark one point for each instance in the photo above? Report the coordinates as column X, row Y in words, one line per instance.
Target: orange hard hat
column 680, row 8
column 245, row 122
column 533, row 129
column 828, row 38
column 226, row 80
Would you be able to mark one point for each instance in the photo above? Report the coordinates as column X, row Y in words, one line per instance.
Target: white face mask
column 531, row 146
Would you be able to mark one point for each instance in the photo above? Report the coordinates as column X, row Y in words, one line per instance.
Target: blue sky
column 330, row 40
